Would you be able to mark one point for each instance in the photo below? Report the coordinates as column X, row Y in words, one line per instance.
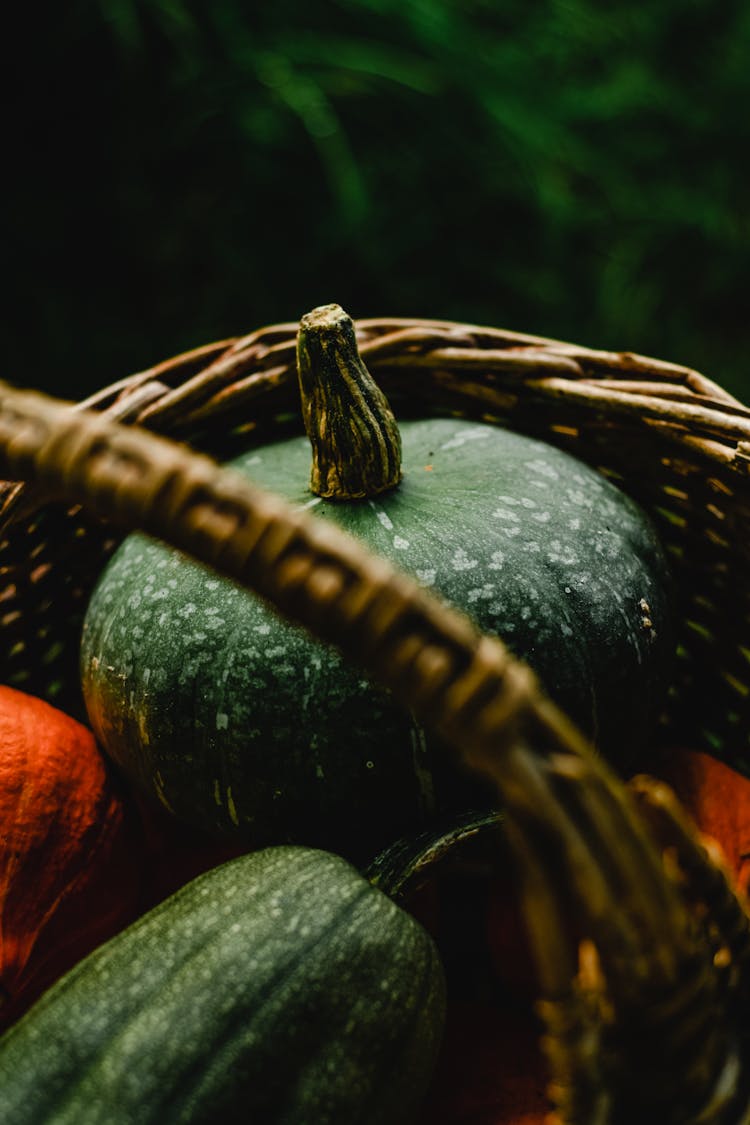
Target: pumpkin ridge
column 57, row 1079
column 94, row 1061
column 401, row 1048
column 275, row 987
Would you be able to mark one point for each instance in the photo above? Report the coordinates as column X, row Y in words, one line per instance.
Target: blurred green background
column 182, row 171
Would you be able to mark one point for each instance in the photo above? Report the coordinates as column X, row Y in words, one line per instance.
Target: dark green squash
column 240, row 723
column 280, row 987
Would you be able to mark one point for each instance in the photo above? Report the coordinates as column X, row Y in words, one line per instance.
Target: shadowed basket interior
column 667, row 435
column 659, row 984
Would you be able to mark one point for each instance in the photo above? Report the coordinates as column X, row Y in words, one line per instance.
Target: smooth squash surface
column 280, row 987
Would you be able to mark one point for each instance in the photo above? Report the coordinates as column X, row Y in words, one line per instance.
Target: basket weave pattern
column 673, row 439
column 666, row 949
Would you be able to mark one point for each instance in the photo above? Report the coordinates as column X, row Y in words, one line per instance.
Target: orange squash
column 71, row 849
column 80, row 856
column 717, row 798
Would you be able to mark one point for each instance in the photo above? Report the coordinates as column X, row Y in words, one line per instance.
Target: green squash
column 280, row 987
column 241, row 723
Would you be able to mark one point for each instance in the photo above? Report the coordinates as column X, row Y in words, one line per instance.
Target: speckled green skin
column 279, row 988
column 240, row 722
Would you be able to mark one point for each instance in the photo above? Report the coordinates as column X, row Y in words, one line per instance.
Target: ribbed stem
column 356, row 446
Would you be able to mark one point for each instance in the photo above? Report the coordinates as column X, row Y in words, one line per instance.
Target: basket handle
column 580, row 843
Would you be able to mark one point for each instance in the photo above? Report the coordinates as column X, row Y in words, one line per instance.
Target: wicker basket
column 644, row 1012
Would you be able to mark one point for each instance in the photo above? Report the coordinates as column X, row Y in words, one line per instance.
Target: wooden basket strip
column 646, row 994
column 669, row 391
column 181, row 367
column 227, row 372
column 432, row 658
column 683, row 457
column 413, row 344
column 695, row 416
column 428, row 654
column 702, row 871
column 138, row 480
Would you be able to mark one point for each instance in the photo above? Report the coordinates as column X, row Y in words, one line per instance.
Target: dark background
column 177, row 172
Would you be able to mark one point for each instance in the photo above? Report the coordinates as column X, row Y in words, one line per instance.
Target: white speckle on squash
column 505, row 514
column 561, row 553
column 426, row 577
column 512, row 531
column 382, row 516
column 578, row 497
column 478, row 592
column 308, row 504
column 264, row 630
column 497, row 560
column 400, row 544
column 542, row 468
column 476, row 433
column 461, row 560
column 541, row 517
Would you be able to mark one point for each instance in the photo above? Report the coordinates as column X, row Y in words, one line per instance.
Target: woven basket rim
column 207, row 385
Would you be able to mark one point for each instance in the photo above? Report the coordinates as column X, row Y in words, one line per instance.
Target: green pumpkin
column 241, row 723
column 280, row 987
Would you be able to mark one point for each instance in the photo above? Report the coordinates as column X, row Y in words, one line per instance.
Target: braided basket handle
column 580, row 843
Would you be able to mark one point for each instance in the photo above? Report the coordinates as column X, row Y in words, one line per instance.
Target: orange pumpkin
column 80, row 856
column 491, row 1069
column 717, row 798
column 71, row 852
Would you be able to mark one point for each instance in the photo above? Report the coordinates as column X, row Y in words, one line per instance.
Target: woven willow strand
column 232, row 374
column 565, row 806
column 459, row 681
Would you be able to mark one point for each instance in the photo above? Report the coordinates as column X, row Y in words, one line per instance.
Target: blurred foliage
column 185, row 171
